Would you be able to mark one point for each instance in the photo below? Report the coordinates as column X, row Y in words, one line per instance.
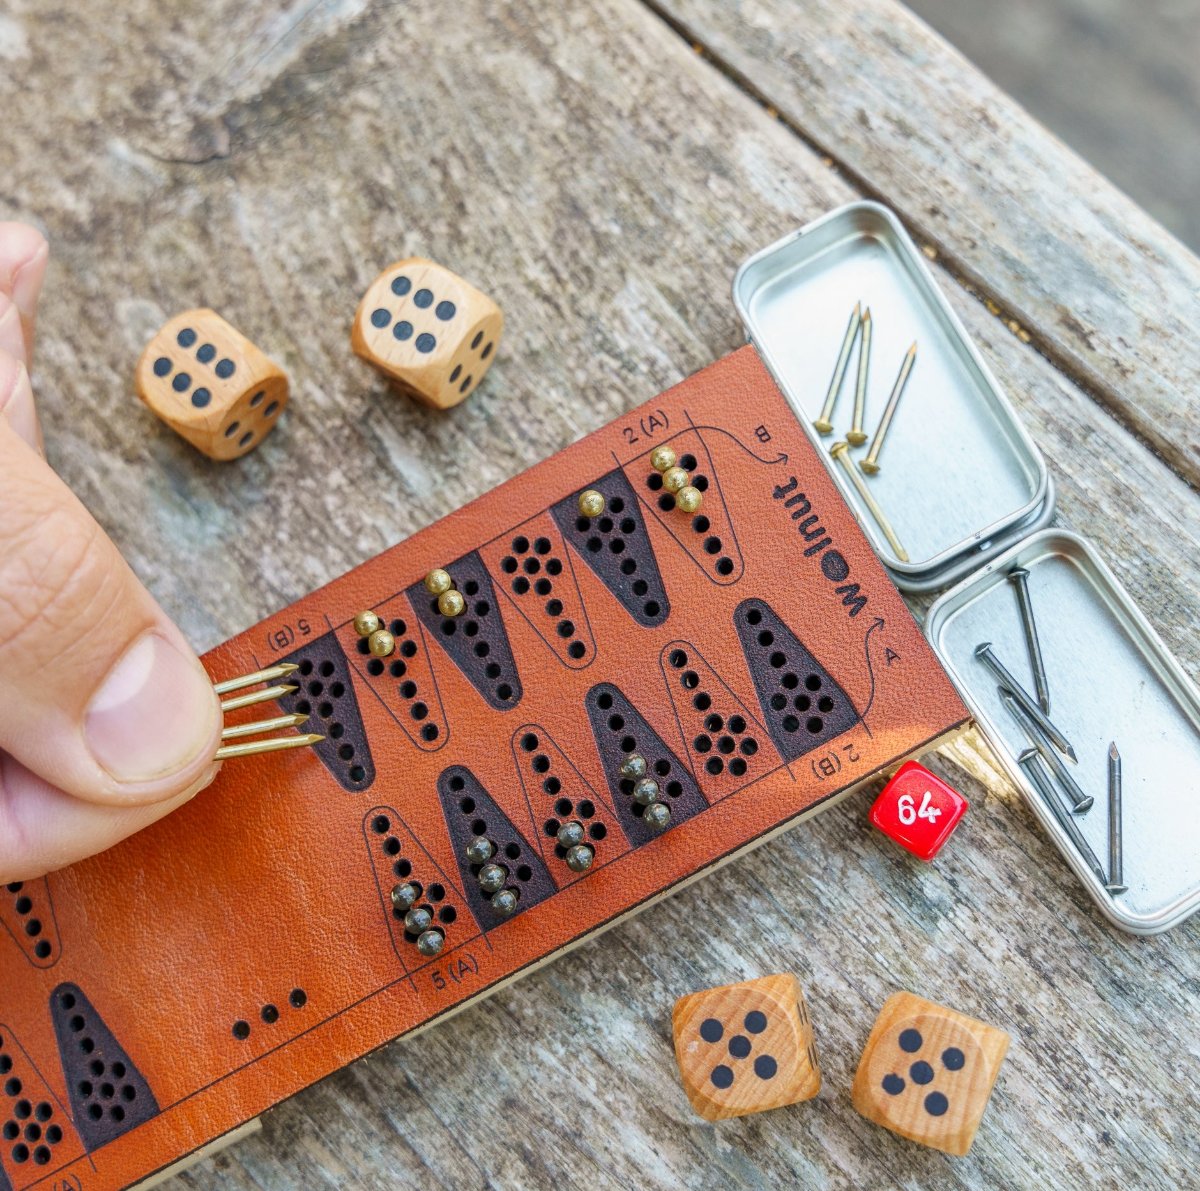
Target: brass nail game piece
column 871, row 462
column 856, row 436
column 841, row 452
column 823, row 423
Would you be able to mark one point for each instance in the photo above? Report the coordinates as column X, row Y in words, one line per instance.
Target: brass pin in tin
column 856, row 435
column 871, row 463
column 841, row 452
column 823, row 423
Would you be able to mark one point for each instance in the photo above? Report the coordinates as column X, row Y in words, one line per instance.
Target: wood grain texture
column 602, row 182
column 1101, row 288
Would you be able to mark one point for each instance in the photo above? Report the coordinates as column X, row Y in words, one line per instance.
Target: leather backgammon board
column 755, row 653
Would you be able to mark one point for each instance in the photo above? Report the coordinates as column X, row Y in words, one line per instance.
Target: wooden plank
column 603, row 182
column 1104, row 290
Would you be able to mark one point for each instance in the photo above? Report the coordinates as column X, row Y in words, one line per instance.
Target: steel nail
column 1031, row 762
column 1020, row 580
column 1080, row 801
column 1028, row 703
column 1116, row 866
column 823, row 423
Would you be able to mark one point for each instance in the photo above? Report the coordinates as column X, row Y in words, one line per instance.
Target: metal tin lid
column 960, row 479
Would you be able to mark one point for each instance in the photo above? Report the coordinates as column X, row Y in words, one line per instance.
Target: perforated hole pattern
column 29, row 916
column 803, row 705
column 477, row 640
column 432, row 895
column 326, row 695
column 541, row 771
column 108, row 1094
column 617, row 548
column 701, row 524
column 620, row 729
column 396, row 671
column 721, row 737
column 30, row 1130
column 471, row 812
column 534, row 570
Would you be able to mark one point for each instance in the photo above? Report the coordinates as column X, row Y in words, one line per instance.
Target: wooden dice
column 927, row 1072
column 745, row 1048
column 209, row 383
column 428, row 330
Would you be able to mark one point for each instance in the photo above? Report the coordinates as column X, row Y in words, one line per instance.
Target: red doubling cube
column 918, row 810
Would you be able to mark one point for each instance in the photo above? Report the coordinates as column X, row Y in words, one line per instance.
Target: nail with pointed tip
column 856, row 436
column 1028, row 703
column 841, row 452
column 275, row 744
column 280, row 721
column 282, row 670
column 1080, row 802
column 871, row 463
column 263, row 696
column 823, row 423
column 1033, row 765
column 1019, row 578
column 1116, row 864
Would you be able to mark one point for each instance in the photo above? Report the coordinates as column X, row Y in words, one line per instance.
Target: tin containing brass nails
column 841, row 452
column 823, row 423
column 962, row 480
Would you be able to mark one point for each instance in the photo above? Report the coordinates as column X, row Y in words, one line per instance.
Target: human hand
column 107, row 719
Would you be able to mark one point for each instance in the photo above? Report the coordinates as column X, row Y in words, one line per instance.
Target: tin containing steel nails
column 1113, row 679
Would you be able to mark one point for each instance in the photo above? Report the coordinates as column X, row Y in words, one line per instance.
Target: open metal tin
column 969, row 497
column 1111, row 678
column 954, row 427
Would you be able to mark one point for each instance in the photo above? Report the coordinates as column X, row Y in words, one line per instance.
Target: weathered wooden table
column 602, row 169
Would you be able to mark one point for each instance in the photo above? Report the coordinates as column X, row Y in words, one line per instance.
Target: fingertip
column 24, row 254
column 16, row 400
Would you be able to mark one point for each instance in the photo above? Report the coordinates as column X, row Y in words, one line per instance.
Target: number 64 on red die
column 918, row 810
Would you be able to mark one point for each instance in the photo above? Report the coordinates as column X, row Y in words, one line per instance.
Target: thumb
column 100, row 695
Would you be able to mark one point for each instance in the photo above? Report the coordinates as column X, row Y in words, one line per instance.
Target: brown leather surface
column 274, row 879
